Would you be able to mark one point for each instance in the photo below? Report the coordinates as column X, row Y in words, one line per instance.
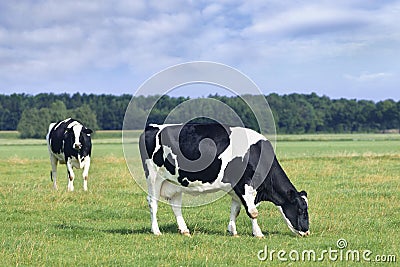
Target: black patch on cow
column 191, row 142
column 56, row 136
column 158, row 157
column 147, row 145
column 150, row 139
column 170, row 164
column 252, row 169
column 143, row 152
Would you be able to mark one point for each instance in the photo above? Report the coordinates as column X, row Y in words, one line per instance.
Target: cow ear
column 291, row 194
column 87, row 131
column 303, row 193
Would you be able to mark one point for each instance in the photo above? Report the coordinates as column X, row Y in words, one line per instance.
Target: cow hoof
column 185, row 233
column 236, row 235
column 260, row 236
column 70, row 187
column 157, row 233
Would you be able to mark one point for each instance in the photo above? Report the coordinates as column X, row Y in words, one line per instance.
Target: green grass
column 353, row 186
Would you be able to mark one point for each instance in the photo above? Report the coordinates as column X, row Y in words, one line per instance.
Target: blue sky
column 345, row 48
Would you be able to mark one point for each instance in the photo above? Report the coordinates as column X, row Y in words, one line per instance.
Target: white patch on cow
column 162, row 126
column 169, row 190
column 306, row 199
column 79, row 162
column 240, row 141
column 289, row 224
column 64, row 121
column 171, row 185
column 72, row 124
column 249, row 197
column 77, row 128
column 168, row 151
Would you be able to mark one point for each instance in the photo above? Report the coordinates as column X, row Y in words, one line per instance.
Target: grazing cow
column 69, row 143
column 201, row 158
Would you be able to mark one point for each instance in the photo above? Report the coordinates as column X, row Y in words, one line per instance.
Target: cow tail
column 51, row 176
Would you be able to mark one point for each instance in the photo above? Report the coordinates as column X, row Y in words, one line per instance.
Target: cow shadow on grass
column 82, row 229
column 170, row 228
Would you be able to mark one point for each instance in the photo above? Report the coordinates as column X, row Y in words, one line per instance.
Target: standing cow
column 69, row 143
column 201, row 158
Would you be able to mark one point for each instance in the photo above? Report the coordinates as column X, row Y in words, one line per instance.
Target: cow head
column 295, row 212
column 79, row 136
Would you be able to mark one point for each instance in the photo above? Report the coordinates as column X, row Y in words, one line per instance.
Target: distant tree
column 58, row 111
column 4, row 113
column 34, row 123
column 293, row 113
column 85, row 115
column 387, row 114
column 135, row 117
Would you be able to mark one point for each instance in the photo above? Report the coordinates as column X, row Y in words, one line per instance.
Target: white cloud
column 306, row 21
column 369, row 77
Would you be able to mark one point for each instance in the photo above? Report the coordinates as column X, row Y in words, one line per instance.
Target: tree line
column 293, row 113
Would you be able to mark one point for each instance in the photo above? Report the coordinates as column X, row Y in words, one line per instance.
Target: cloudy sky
column 343, row 48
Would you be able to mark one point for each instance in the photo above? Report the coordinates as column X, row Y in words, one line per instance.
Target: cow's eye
column 302, row 212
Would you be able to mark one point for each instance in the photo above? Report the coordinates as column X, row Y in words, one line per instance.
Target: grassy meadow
column 352, row 182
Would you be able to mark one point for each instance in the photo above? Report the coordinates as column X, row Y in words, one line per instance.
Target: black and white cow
column 69, row 143
column 201, row 158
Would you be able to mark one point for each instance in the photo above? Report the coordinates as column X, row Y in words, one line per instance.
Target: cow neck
column 275, row 186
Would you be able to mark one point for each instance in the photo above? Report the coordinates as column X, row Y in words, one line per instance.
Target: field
column 352, row 182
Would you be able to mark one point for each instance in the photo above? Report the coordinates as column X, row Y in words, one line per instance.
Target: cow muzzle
column 77, row 146
column 301, row 233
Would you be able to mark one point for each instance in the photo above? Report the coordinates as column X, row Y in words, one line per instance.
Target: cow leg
column 152, row 199
column 85, row 174
column 235, row 210
column 256, row 229
column 249, row 198
column 71, row 177
column 176, row 204
column 154, row 183
column 54, row 163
